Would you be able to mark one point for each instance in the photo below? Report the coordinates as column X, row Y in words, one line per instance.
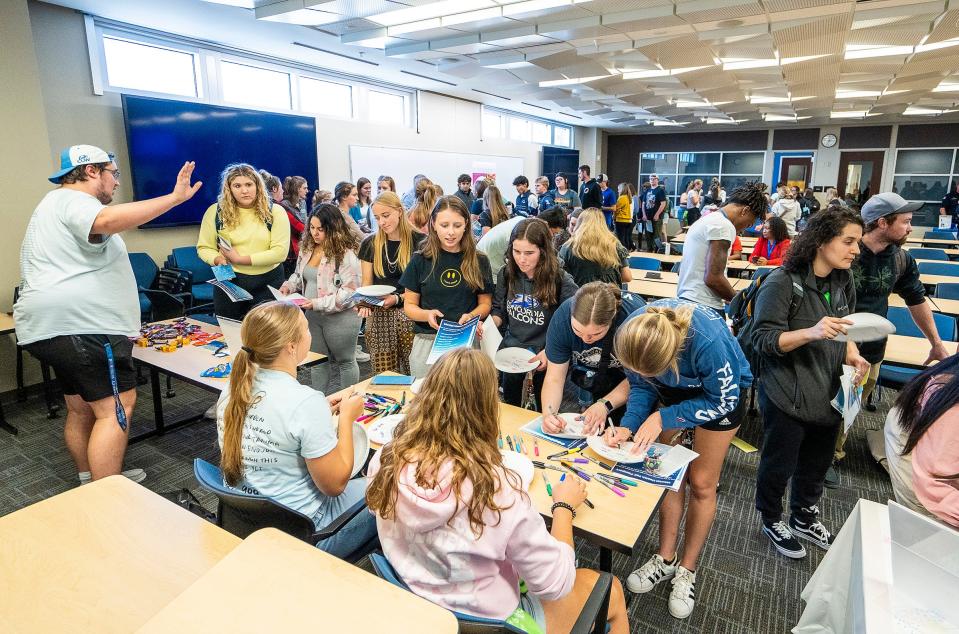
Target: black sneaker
column 783, row 539
column 832, row 477
column 814, row 532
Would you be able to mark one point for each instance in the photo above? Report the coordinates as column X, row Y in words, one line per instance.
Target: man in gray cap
column 882, row 268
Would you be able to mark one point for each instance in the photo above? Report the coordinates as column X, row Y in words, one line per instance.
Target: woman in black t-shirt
column 449, row 279
column 383, row 256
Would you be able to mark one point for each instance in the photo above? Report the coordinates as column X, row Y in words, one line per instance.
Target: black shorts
column 80, row 363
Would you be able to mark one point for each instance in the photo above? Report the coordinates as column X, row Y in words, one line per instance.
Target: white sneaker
column 135, row 475
column 645, row 578
column 361, row 356
column 682, row 597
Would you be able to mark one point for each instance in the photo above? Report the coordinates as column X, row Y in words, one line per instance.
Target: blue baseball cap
column 77, row 155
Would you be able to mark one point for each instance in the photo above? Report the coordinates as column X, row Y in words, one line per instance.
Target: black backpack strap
column 797, row 294
column 219, row 218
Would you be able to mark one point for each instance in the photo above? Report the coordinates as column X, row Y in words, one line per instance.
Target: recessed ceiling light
column 573, row 81
column 412, row 27
column 855, row 52
column 855, row 94
column 849, row 114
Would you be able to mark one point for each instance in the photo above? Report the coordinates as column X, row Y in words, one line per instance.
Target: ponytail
column 266, row 330
column 651, row 343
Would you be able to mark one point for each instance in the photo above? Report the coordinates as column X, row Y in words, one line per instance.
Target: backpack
column 219, row 219
column 741, row 310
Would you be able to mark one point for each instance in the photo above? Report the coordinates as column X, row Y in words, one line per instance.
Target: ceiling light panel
column 429, row 11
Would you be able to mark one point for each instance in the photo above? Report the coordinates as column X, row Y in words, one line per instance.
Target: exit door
column 859, row 175
column 796, row 171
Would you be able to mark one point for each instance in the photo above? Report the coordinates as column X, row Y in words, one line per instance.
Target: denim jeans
column 357, row 531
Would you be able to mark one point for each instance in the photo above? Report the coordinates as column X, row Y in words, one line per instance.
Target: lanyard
column 121, row 414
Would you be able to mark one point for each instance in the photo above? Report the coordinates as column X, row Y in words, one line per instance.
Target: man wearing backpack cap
column 882, row 268
column 78, row 304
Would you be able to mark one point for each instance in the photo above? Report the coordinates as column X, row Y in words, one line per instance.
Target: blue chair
column 243, row 513
column 921, row 253
column 938, row 234
column 591, row 619
column 186, row 259
column 162, row 292
column 676, row 267
column 896, row 376
column 948, row 290
column 643, row 263
column 761, row 270
column 940, row 268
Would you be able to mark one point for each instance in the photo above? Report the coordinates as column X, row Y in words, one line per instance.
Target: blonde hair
column 229, row 209
column 593, row 241
column 542, row 180
column 405, row 252
column 596, row 303
column 651, row 343
column 455, row 419
column 266, row 330
column 493, row 200
column 425, row 201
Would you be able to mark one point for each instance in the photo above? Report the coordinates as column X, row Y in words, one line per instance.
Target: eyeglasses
column 115, row 173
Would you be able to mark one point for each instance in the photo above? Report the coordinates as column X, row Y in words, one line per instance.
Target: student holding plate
column 383, row 257
column 580, row 341
column 685, row 371
column 529, row 290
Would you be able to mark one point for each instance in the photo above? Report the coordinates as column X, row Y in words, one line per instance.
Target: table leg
column 157, row 402
column 605, row 559
column 52, row 407
column 5, row 425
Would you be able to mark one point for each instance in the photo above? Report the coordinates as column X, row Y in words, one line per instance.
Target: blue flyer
column 451, row 336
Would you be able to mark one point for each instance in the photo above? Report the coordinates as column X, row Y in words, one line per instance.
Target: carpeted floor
column 743, row 585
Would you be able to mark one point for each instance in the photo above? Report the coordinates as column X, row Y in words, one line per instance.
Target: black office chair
column 244, row 513
column 591, row 619
column 49, row 388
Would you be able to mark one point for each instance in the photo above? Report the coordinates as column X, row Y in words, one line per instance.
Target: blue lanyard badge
column 121, row 414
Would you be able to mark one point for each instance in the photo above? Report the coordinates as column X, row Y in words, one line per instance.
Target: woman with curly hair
column 244, row 229
column 327, row 274
column 457, row 523
column 800, row 309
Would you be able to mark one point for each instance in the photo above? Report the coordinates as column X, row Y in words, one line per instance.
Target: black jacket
column 590, row 195
column 803, row 381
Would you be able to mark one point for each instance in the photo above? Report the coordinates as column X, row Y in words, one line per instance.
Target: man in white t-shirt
column 495, row 242
column 78, row 301
column 702, row 274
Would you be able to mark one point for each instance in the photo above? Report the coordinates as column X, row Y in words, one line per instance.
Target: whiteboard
column 443, row 168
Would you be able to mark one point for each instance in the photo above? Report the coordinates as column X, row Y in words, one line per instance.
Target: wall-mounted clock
column 828, row 140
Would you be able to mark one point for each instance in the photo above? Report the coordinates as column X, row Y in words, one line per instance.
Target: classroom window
column 253, row 86
column 541, row 132
column 386, row 107
column 518, row 129
column 562, row 136
column 677, row 169
column 926, row 175
column 326, row 98
column 172, row 72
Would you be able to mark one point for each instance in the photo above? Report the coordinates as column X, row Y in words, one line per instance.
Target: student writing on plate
column 280, row 439
column 580, row 341
column 686, row 372
column 529, row 289
column 449, row 279
column 456, row 521
column 384, row 256
column 327, row 274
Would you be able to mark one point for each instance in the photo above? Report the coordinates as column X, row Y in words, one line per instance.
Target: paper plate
column 573, row 429
column 381, row 430
column 514, row 360
column 361, row 447
column 417, row 386
column 520, row 464
column 866, row 327
column 616, row 454
column 376, row 290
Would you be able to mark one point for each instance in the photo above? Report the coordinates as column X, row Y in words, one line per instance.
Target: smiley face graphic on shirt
column 450, row 278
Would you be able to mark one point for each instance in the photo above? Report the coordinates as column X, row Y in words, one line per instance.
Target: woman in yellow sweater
column 255, row 238
column 624, row 215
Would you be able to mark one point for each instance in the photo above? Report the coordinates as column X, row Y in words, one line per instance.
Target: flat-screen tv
column 559, row 159
column 162, row 134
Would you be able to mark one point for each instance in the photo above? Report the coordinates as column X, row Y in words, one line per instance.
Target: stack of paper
column 451, row 336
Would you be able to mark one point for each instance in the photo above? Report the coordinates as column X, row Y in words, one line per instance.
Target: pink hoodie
column 449, row 566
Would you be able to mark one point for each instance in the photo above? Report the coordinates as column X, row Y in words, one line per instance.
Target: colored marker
column 549, row 489
column 500, row 440
column 583, row 475
column 543, row 465
column 618, row 485
column 509, row 441
column 562, row 477
column 535, row 447
column 611, row 488
column 599, row 463
column 588, row 503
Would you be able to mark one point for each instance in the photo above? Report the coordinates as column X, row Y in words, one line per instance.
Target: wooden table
column 664, row 258
column 653, row 288
column 186, row 364
column 615, row 524
column 746, row 241
column 273, row 582
column 672, row 278
column 104, row 557
column 911, row 352
column 924, row 240
column 6, row 324
column 936, row 304
column 952, row 252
